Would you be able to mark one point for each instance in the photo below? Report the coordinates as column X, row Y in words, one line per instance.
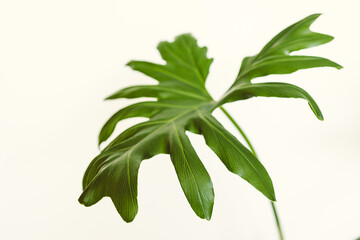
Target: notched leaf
column 275, row 58
column 183, row 104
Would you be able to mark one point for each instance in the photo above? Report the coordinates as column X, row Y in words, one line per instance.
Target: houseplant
column 184, row 104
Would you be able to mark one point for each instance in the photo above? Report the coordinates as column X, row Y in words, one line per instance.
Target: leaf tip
column 99, row 143
column 184, row 35
column 178, row 38
column 206, row 215
column 338, row 66
column 335, row 65
column 271, row 195
column 82, row 201
column 320, row 117
column 270, row 192
column 314, row 16
column 101, row 138
column 130, row 64
column 127, row 220
column 162, row 44
column 273, row 198
column 329, row 37
column 318, row 113
column 112, row 96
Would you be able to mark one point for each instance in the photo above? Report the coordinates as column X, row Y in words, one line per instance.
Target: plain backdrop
column 60, row 59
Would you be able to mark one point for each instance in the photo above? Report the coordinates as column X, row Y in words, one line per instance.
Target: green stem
column 277, row 220
column 253, row 151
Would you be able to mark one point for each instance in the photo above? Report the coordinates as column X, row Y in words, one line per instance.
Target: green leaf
column 182, row 103
column 275, row 58
column 234, row 155
column 271, row 89
column 193, row 177
column 142, row 109
column 296, row 37
column 281, row 65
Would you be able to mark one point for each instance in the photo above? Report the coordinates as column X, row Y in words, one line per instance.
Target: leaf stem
column 273, row 206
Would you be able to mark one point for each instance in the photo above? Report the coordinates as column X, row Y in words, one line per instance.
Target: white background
column 60, row 59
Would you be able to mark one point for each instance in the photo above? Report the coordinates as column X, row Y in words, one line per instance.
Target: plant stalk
column 273, row 206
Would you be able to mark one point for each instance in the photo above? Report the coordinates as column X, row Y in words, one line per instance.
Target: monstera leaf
column 183, row 104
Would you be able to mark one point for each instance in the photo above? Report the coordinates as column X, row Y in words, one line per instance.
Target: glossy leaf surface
column 183, row 104
column 275, row 58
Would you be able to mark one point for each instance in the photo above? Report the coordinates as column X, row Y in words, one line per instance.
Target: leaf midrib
column 292, row 42
column 264, row 182
column 187, row 163
column 284, row 33
column 284, row 58
column 179, row 78
column 128, row 152
column 189, row 94
column 185, row 63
